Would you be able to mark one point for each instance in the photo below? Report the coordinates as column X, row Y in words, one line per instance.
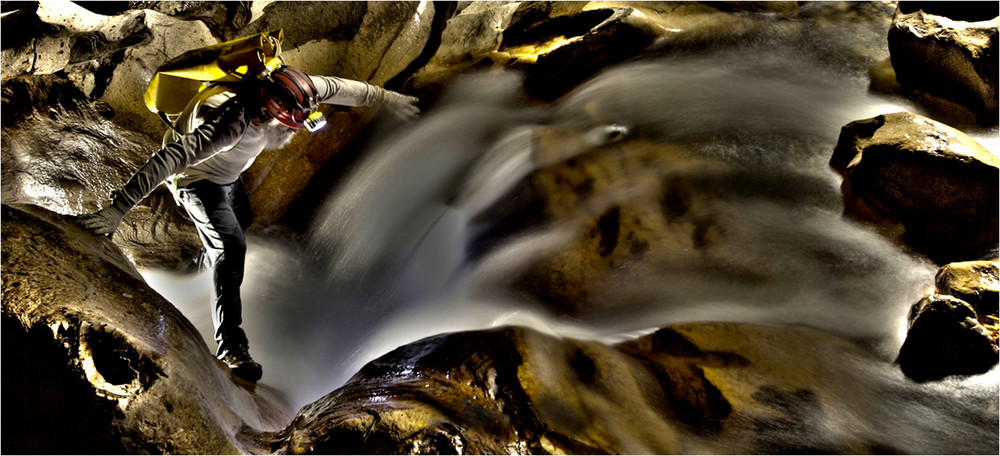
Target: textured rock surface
column 696, row 388
column 633, row 209
column 945, row 338
column 61, row 153
column 557, row 45
column 948, row 65
column 959, row 11
column 921, row 181
column 975, row 282
column 123, row 368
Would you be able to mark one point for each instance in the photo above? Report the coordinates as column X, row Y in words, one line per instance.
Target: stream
column 410, row 244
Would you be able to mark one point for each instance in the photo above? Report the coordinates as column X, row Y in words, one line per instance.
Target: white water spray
column 387, row 260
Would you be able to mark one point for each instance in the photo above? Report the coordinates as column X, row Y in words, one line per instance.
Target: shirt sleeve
column 347, row 92
column 212, row 137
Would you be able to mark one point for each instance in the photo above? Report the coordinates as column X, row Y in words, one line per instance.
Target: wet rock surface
column 954, row 331
column 922, row 182
column 949, row 65
column 123, row 369
column 945, row 338
column 557, row 45
column 681, row 389
column 975, row 282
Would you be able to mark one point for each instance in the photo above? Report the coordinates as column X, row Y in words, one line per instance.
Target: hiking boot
column 243, row 366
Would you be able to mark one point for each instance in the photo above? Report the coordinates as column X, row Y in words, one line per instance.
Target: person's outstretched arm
column 207, row 140
column 348, row 92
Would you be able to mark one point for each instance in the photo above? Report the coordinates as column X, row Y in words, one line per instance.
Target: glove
column 401, row 105
column 105, row 221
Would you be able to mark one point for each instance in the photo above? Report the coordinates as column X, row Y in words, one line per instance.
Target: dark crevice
column 117, row 361
column 49, row 407
column 528, row 30
column 442, row 12
column 609, row 228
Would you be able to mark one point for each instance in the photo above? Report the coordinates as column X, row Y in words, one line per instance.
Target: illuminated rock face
column 697, row 388
column 948, row 65
column 61, row 153
column 125, row 371
column 557, row 45
column 975, row 282
column 921, row 181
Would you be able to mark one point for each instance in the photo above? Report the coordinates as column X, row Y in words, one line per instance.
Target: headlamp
column 315, row 121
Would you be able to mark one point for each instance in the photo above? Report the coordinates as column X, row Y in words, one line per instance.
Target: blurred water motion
column 388, row 258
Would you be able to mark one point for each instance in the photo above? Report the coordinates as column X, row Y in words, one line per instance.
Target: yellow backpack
column 179, row 80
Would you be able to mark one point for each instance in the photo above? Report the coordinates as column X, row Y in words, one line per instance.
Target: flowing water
column 395, row 253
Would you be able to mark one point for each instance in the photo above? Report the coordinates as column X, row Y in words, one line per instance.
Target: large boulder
column 631, row 215
column 922, row 182
column 945, row 338
column 948, row 65
column 101, row 356
column 692, row 388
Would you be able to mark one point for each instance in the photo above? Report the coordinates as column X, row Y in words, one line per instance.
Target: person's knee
column 234, row 245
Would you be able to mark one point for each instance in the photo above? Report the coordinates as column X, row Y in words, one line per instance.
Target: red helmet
column 289, row 96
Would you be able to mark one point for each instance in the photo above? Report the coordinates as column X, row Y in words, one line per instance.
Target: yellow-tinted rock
column 936, row 57
column 975, row 282
column 692, row 388
column 921, row 181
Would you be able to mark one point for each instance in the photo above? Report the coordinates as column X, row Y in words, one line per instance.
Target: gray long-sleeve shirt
column 220, row 141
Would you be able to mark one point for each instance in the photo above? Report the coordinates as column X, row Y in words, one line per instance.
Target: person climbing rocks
column 217, row 137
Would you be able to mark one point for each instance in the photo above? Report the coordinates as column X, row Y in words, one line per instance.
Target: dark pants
column 220, row 214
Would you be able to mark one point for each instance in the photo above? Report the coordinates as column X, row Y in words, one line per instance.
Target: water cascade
column 417, row 241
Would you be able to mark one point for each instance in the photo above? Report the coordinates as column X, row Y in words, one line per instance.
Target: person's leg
column 241, row 205
column 211, row 207
column 244, row 214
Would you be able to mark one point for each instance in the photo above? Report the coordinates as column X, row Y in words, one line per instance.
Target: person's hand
column 403, row 106
column 105, row 221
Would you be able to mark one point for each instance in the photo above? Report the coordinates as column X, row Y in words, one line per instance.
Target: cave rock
column 921, row 182
column 945, row 338
column 674, row 214
column 558, row 45
column 975, row 282
column 948, row 65
column 691, row 388
column 957, row 11
column 61, row 152
column 102, row 358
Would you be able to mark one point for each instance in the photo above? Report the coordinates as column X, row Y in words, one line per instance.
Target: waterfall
column 395, row 253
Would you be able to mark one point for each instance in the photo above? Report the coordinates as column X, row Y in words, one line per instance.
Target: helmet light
column 315, row 121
